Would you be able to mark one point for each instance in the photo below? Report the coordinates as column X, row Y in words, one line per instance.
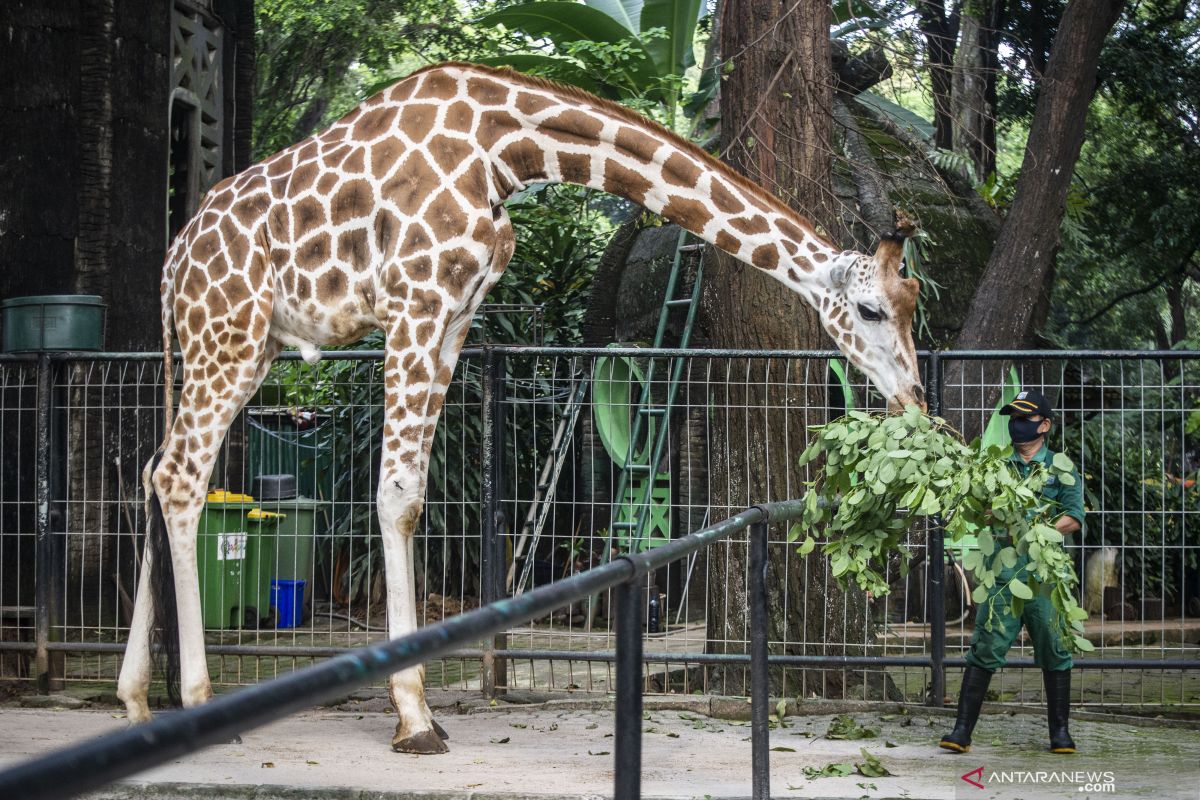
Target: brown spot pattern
column 307, row 214
column 529, row 103
column 574, row 168
column 352, row 248
column 525, row 159
column 625, row 182
column 488, row 93
column 728, row 242
column 460, row 117
column 376, row 122
column 681, row 171
column 419, row 268
column 354, row 200
column 765, row 256
column 416, row 239
column 456, row 269
column 637, row 144
column 417, row 120
column 411, row 184
column 750, row 225
column 445, row 217
column 449, row 152
column 494, row 125
column 690, row 214
column 572, row 127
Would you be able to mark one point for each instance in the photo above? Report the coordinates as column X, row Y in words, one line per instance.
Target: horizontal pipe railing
column 95, row 763
column 650, row 352
column 601, row 656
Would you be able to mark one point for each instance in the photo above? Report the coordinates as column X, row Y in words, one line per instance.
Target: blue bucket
column 287, row 598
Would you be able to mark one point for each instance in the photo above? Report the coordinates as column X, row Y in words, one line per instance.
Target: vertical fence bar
column 760, row 676
column 627, row 760
column 44, row 577
column 937, row 615
column 936, row 559
column 491, row 549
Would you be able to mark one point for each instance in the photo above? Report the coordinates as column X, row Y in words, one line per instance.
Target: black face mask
column 1022, row 430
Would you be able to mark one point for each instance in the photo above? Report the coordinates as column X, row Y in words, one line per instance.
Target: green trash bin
column 235, row 551
column 301, row 518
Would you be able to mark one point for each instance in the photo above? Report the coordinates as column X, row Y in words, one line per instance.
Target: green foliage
column 635, row 51
column 845, row 726
column 1140, row 472
column 561, row 234
column 882, row 473
column 870, row 767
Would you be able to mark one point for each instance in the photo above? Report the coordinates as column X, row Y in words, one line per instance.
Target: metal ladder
column 635, row 528
column 539, row 509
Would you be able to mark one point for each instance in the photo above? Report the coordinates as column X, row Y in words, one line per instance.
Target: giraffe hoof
column 440, row 731
column 423, row 743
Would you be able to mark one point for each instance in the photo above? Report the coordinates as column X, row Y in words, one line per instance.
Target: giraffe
column 393, row 218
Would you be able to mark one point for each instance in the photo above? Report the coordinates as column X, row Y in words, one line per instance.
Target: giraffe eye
column 871, row 314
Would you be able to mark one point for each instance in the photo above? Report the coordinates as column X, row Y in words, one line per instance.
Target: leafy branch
column 882, row 473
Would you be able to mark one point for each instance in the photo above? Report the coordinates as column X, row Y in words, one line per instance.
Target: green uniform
column 989, row 648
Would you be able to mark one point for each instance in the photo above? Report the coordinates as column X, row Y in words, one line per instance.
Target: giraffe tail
column 162, row 588
column 158, row 547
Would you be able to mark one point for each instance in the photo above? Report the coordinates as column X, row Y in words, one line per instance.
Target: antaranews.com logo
column 1091, row 781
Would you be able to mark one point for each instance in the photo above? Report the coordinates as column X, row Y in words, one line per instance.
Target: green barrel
column 300, row 522
column 235, row 551
column 53, row 322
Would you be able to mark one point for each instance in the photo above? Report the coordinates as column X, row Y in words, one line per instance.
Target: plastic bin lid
column 53, row 300
column 222, row 496
column 258, row 514
column 275, row 487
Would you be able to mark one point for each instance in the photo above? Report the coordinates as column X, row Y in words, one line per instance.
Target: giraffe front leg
column 408, row 376
column 416, row 732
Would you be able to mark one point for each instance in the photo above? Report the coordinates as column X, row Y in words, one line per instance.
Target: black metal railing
column 93, row 764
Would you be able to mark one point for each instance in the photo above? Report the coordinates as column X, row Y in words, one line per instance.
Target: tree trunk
column 974, row 87
column 1004, row 312
column 941, row 32
column 776, row 127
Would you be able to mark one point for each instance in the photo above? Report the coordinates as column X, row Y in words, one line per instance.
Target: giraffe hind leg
column 133, row 686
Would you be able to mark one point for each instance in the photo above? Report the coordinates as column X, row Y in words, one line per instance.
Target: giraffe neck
column 549, row 133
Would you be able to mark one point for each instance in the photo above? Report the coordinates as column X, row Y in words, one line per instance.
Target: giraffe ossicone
column 393, row 218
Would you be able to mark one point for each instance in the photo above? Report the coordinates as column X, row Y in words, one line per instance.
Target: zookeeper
column 1030, row 420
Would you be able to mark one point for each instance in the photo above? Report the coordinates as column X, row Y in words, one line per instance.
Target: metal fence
column 532, row 445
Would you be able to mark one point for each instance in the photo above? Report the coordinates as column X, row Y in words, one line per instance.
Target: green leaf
column 1019, row 589
column 1063, row 462
column 564, row 23
column 673, row 54
column 871, row 766
column 1008, row 557
column 1084, row 645
column 807, row 546
column 898, row 113
column 979, row 594
column 626, row 12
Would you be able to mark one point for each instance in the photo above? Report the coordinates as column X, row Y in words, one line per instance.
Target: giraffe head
column 869, row 315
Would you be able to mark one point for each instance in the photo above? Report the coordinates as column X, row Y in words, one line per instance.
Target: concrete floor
column 563, row 749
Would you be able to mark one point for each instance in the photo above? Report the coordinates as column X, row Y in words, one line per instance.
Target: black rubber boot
column 974, row 686
column 1058, row 706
